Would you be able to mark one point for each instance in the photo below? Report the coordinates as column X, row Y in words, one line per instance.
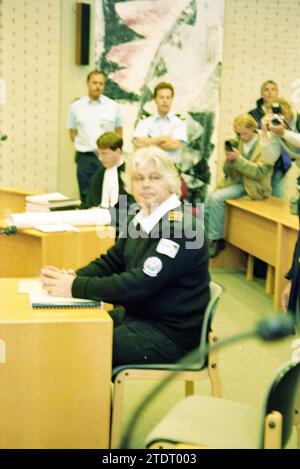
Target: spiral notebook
column 39, row 298
column 43, row 300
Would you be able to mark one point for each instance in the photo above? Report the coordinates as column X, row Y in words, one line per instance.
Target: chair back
column 215, row 293
column 282, row 396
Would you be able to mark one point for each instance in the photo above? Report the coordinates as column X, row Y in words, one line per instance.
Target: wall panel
column 29, row 65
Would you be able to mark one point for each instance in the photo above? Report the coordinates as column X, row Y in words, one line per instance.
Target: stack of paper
column 50, row 202
column 97, row 216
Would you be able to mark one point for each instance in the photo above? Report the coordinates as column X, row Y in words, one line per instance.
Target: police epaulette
column 175, row 216
column 75, row 99
column 181, row 116
column 144, row 114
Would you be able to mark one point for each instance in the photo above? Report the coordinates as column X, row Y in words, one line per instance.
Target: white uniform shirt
column 91, row 119
column 156, row 126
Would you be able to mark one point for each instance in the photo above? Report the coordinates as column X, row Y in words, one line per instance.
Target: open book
column 39, row 298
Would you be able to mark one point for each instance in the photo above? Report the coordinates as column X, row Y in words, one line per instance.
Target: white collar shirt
column 247, row 147
column 148, row 222
column 156, row 126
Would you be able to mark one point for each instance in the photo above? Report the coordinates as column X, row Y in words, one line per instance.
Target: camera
column 230, row 145
column 276, row 121
column 276, row 109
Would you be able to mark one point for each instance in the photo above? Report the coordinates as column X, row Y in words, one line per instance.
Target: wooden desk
column 55, row 372
column 24, row 253
column 12, row 200
column 267, row 230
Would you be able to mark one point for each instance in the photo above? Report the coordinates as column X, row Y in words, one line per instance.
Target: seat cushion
column 212, row 422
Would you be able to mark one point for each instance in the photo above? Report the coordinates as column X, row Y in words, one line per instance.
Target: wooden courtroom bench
column 12, row 200
column 25, row 252
column 55, row 374
column 267, row 230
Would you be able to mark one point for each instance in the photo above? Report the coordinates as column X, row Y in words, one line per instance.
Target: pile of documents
column 50, row 202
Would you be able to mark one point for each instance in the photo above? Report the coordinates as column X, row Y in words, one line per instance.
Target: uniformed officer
column 89, row 117
column 164, row 129
column 157, row 270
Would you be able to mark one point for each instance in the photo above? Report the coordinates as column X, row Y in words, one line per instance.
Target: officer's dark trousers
column 87, row 163
column 136, row 341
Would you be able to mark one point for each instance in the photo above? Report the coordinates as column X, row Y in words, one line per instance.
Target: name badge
column 167, row 247
column 152, row 266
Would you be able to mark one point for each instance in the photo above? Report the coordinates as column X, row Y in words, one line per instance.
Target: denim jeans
column 278, row 183
column 214, row 210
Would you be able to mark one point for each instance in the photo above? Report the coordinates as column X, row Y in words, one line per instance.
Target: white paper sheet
column 97, row 216
column 55, row 228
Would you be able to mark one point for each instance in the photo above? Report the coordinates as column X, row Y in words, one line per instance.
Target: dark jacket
column 294, row 276
column 94, row 194
column 170, row 292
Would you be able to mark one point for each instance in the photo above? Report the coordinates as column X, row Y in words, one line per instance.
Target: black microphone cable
column 274, row 328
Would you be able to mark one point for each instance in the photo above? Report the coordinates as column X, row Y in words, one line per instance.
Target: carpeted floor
column 246, row 368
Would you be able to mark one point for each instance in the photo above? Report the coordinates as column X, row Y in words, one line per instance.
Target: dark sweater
column 294, row 276
column 172, row 298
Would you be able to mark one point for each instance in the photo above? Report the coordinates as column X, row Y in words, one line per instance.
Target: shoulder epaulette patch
column 144, row 115
column 181, row 117
column 76, row 99
column 175, row 216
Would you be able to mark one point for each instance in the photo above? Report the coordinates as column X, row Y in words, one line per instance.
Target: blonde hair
column 286, row 108
column 268, row 82
column 245, row 121
column 163, row 164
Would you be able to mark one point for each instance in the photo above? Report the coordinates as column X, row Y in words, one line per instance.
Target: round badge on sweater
column 152, row 266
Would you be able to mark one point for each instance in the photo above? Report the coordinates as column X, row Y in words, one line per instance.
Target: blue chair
column 210, row 422
column 206, row 368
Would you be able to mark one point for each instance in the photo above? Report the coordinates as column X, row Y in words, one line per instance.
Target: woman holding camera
column 278, row 131
column 245, row 173
column 269, row 94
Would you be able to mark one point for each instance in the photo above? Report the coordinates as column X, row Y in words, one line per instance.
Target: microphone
column 274, row 328
column 9, row 230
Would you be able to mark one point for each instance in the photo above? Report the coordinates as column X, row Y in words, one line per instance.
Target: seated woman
column 157, row 270
column 246, row 173
column 106, row 188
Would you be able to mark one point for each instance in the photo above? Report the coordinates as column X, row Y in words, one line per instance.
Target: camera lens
column 275, row 121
